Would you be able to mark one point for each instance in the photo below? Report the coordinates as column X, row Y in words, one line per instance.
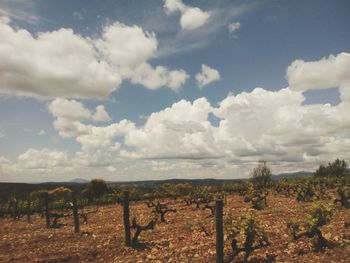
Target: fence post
column 127, row 219
column 219, row 232
column 75, row 215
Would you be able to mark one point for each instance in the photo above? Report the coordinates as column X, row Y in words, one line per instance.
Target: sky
column 131, row 90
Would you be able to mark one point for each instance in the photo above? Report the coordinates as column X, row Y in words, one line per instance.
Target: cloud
column 154, row 78
column 126, row 45
column 253, row 125
column 41, row 132
column 2, row 135
column 207, row 76
column 3, row 160
column 180, row 131
column 98, row 144
column 191, row 17
column 42, row 159
column 50, row 65
column 181, row 141
column 64, row 64
column 129, row 49
column 5, row 166
column 187, row 40
column 68, row 114
column 172, row 6
column 232, row 27
column 333, row 71
column 69, row 109
column 101, row 114
column 17, row 14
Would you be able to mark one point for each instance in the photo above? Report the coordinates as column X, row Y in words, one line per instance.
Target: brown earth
column 181, row 239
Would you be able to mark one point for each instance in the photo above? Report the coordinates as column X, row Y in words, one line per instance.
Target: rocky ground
column 187, row 236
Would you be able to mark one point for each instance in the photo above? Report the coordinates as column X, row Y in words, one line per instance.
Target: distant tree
column 60, row 193
column 322, row 171
column 54, row 194
column 261, row 175
column 39, row 195
column 95, row 189
column 184, row 188
column 336, row 168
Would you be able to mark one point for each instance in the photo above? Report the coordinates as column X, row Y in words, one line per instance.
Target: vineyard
column 256, row 220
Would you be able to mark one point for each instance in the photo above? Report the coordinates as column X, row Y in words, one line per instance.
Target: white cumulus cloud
column 333, row 71
column 124, row 45
column 180, row 131
column 128, row 48
column 154, row 78
column 101, row 114
column 181, row 140
column 191, row 17
column 206, row 76
column 62, row 63
column 42, row 159
column 52, row 64
column 69, row 109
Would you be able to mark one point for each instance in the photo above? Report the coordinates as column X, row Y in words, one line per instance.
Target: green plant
column 319, row 216
column 95, row 189
column 261, row 176
column 257, row 198
column 293, row 228
column 253, row 233
column 344, row 196
column 306, row 192
column 335, row 168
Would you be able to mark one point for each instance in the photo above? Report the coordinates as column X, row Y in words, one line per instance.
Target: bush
column 95, row 189
column 336, row 168
column 261, row 176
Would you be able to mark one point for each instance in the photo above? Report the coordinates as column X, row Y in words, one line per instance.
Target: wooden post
column 75, row 215
column 219, row 232
column 127, row 219
column 47, row 211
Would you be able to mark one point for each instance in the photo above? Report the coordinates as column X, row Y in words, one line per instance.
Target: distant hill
column 22, row 190
column 79, row 181
column 210, row 181
column 292, row 175
column 206, row 181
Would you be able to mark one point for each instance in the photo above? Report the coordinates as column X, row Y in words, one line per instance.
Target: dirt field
column 181, row 239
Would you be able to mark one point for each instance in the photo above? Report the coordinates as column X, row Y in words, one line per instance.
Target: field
column 188, row 235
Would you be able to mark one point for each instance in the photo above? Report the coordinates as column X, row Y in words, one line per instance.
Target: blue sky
column 149, row 54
